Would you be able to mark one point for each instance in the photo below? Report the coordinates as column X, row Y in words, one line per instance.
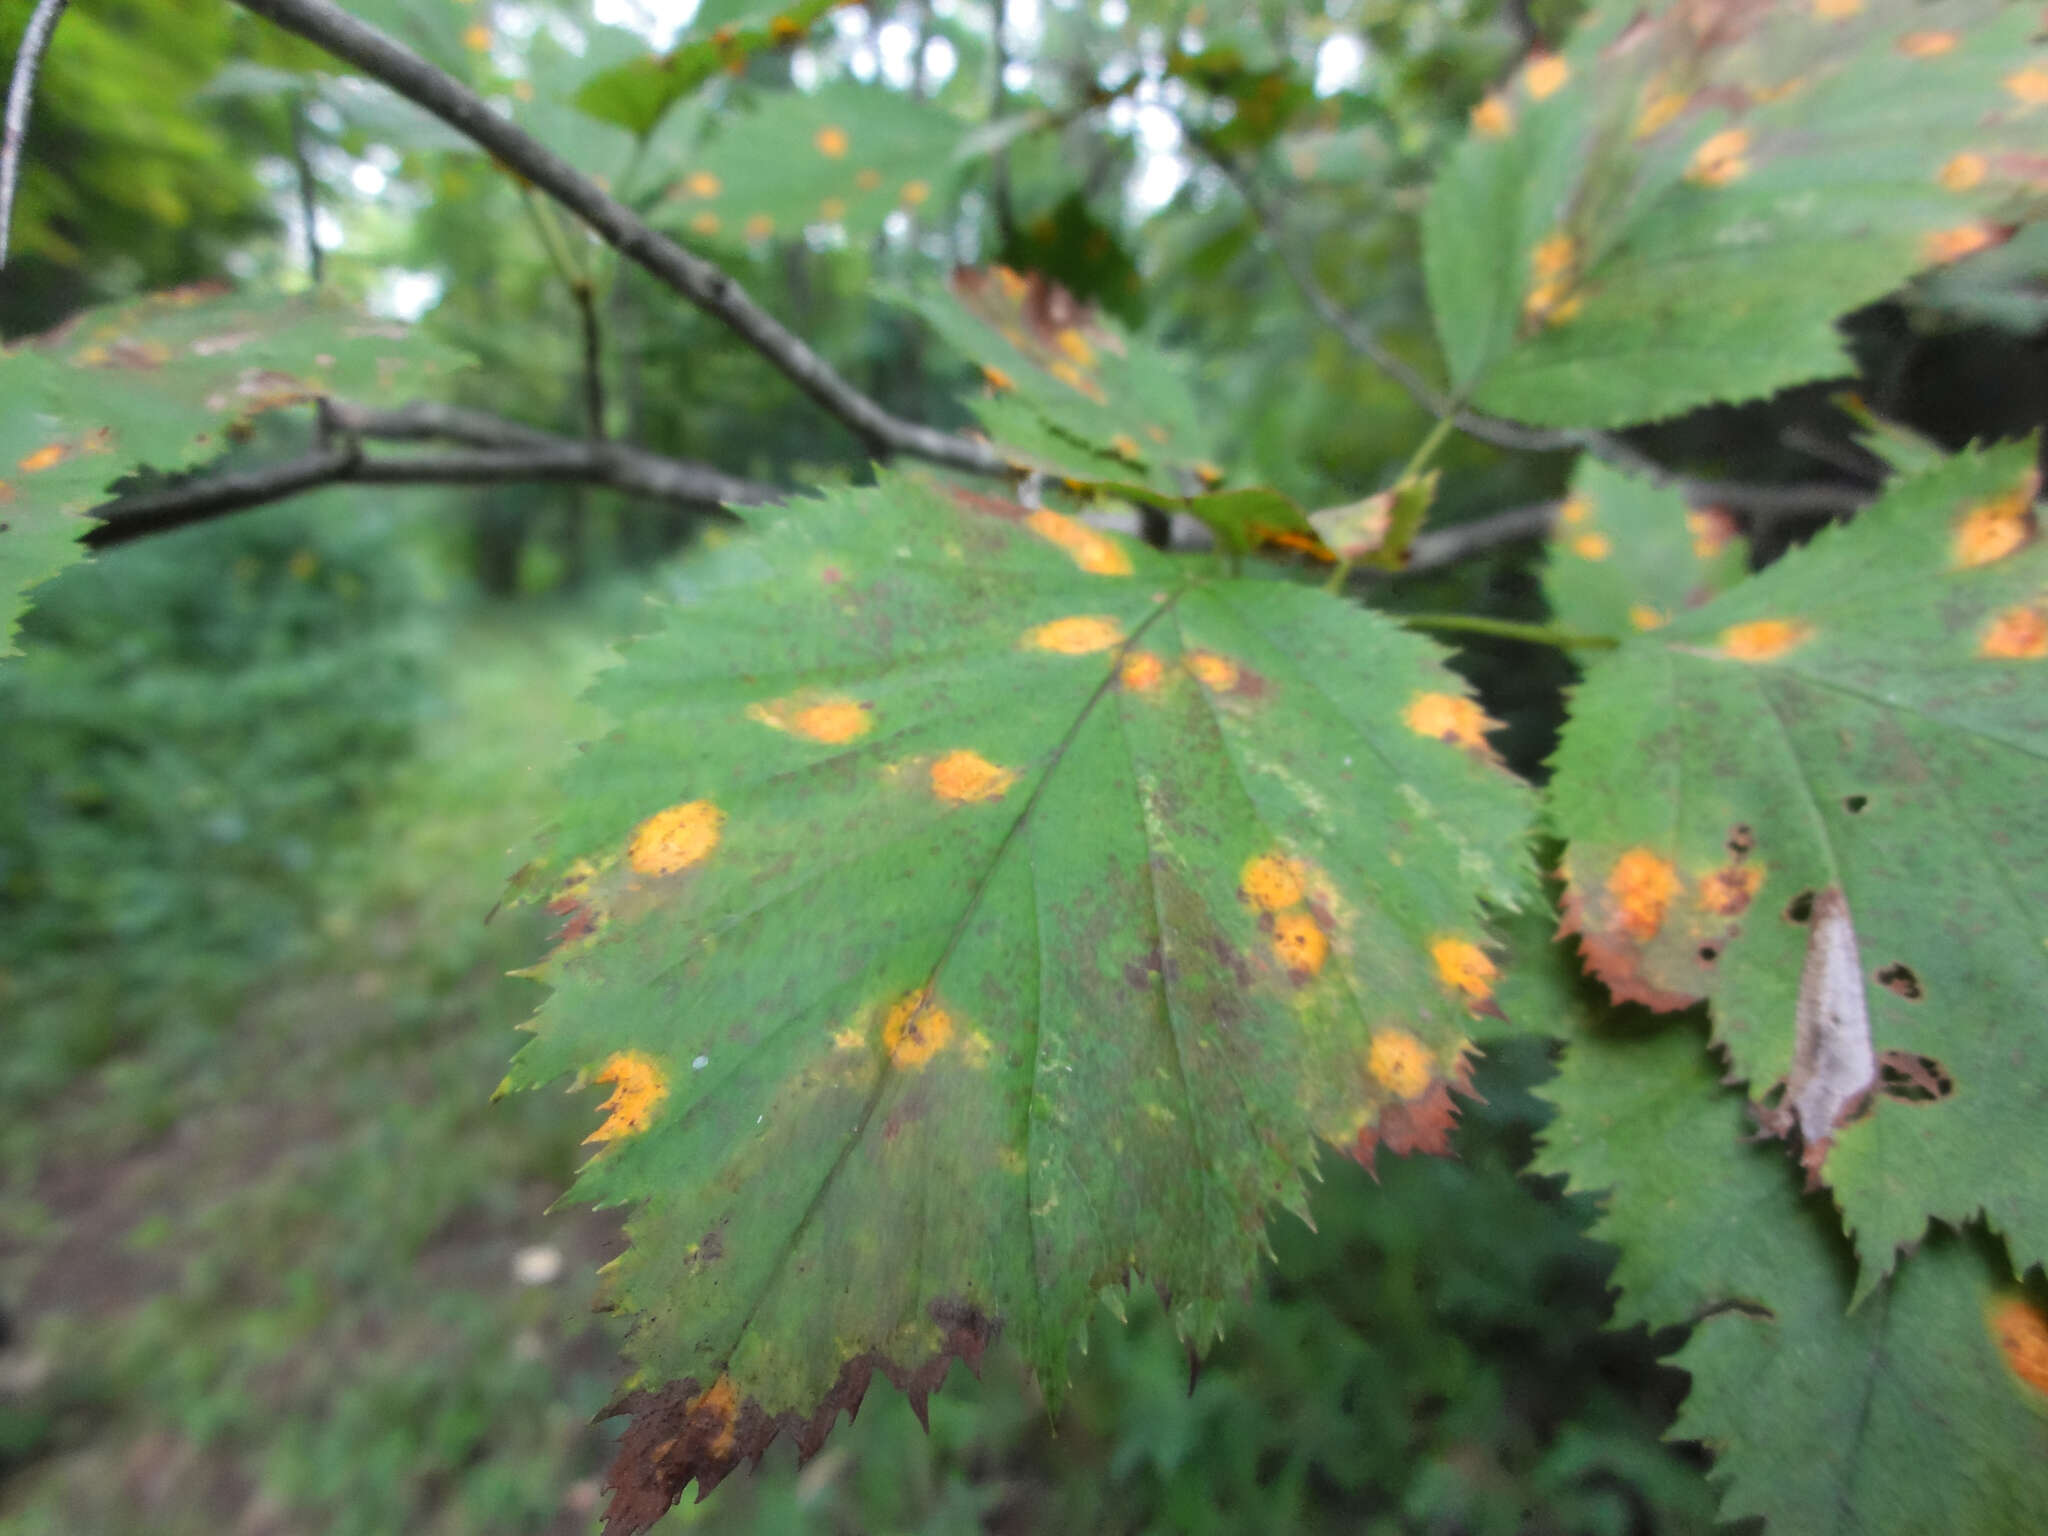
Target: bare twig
column 496, row 452
column 593, row 361
column 21, row 90
column 702, row 283
column 998, row 98
column 309, row 190
column 1435, row 548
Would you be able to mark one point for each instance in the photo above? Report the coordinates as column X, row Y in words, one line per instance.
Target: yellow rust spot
column 1764, row 639
column 2020, row 1330
column 1642, row 616
column 1300, row 944
column 1554, row 255
column 703, row 184
column 638, row 1087
column 1963, row 172
column 867, row 178
column 1941, row 246
column 1729, row 892
column 1659, row 112
column 674, row 839
column 963, row 777
column 1013, row 284
column 1400, row 1063
column 1092, row 549
column 914, row 193
column 848, row 1039
column 760, row 227
column 1075, row 345
column 1996, row 528
column 1064, row 370
column 1546, row 76
column 1449, row 717
column 1641, row 886
column 707, row 223
column 1927, row 45
column 476, row 37
column 1126, row 446
column 1218, row 673
column 1492, row 118
column 1464, row 967
column 1550, row 299
column 1592, row 546
column 832, row 721
column 998, row 380
column 1721, row 159
column 916, row 1030
column 1576, row 510
column 2016, row 634
column 1272, row 881
column 1141, row 672
column 1208, row 474
column 831, row 142
column 2030, row 85
column 49, row 456
column 1082, row 635
column 785, row 29
column 1837, row 10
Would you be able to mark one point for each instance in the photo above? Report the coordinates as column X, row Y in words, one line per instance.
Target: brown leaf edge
column 687, row 1432
column 1616, row 960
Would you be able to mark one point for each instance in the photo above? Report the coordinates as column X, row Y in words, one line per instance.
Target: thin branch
column 497, row 452
column 998, row 99
column 593, row 361
column 21, row 90
column 702, row 283
column 309, row 189
column 1435, row 548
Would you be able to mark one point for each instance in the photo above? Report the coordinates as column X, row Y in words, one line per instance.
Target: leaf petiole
column 1509, row 629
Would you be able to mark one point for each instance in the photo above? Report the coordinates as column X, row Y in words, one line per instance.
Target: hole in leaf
column 1709, row 954
column 1800, row 908
column 1900, row 978
column 1912, row 1079
column 1741, row 839
column 1854, row 804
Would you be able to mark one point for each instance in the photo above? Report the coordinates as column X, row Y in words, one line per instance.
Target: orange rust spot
column 1576, row 510
column 1728, row 892
column 1464, row 967
column 867, row 178
column 1659, row 112
column 1082, row 635
column 1141, row 672
column 2016, row 634
column 476, row 37
column 1642, row 616
column 831, row 142
column 1942, row 246
column 1927, row 45
column 1554, row 255
column 998, row 380
column 1546, row 75
column 674, row 839
column 1550, row 300
column 785, row 29
column 1300, row 944
column 1764, row 639
column 49, row 456
column 760, row 227
column 1592, row 546
column 1449, row 717
column 1271, row 881
column 1993, row 529
column 1963, row 172
column 1013, row 284
column 1075, row 345
column 916, row 1030
column 1711, row 529
column 914, row 193
column 2030, row 85
column 2021, row 1333
column 1641, row 886
column 1721, row 159
column 1075, row 379
column 1092, row 549
column 832, row 721
column 1218, row 673
column 639, row 1086
column 707, row 223
column 1208, row 474
column 1836, row 10
column 703, row 184
column 1400, row 1063
column 1126, row 446
column 963, row 776
column 1492, row 119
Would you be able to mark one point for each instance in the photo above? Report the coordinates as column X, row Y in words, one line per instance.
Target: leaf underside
column 1676, row 209
column 971, row 911
column 165, row 382
column 1857, row 733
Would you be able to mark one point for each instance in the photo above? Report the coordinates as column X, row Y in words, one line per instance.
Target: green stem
column 559, row 257
column 1509, row 629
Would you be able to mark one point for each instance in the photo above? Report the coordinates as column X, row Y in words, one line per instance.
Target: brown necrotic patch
column 1907, row 1078
column 1421, row 1124
column 1900, row 978
column 1728, row 892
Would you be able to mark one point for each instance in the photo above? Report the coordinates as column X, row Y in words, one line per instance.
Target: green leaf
column 1626, row 555
column 970, row 911
column 164, row 383
column 1675, row 210
column 636, row 95
column 845, row 154
column 1923, row 1409
column 1088, row 381
column 1816, row 800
